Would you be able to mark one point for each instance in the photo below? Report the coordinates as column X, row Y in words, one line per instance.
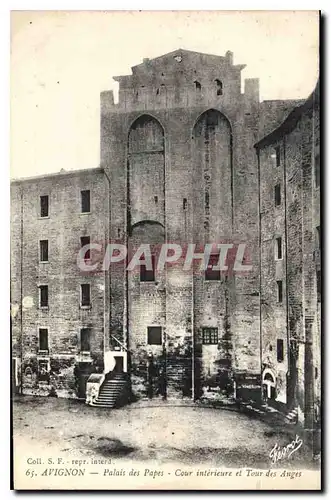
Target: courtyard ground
column 141, row 432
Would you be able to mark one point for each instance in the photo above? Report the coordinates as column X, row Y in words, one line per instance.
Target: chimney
column 229, row 57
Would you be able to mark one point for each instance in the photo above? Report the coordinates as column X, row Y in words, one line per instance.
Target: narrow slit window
column 85, row 340
column 197, row 86
column 280, row 350
column 210, row 273
column 279, row 248
column 43, row 339
column 319, row 285
column 44, row 206
column 277, row 195
column 85, row 201
column 279, row 291
column 148, row 274
column 277, row 151
column 154, row 335
column 210, row 336
column 85, row 295
column 318, row 237
column 86, row 240
column 184, row 203
column 43, row 296
column 43, row 246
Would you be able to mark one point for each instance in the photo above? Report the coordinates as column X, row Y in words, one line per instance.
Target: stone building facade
column 290, row 261
column 51, row 319
column 177, row 165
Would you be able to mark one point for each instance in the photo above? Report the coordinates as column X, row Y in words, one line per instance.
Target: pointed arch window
column 219, row 87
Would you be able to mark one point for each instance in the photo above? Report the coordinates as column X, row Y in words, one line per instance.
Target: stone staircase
column 114, row 392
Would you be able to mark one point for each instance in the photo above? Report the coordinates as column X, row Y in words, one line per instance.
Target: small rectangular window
column 85, row 295
column 277, row 151
column 154, row 335
column 184, row 203
column 85, row 335
column 43, row 339
column 277, row 195
column 85, row 201
column 317, row 170
column 279, row 292
column 147, row 274
column 210, row 336
column 43, row 206
column 279, row 248
column 280, row 350
column 210, row 273
column 43, row 250
column 86, row 240
column 43, row 296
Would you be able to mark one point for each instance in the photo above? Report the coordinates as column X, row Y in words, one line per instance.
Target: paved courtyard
column 188, row 435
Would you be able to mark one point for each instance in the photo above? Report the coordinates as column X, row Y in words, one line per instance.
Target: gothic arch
column 213, row 174
column 146, row 171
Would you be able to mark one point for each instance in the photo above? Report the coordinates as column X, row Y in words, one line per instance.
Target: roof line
column 57, row 174
column 289, row 123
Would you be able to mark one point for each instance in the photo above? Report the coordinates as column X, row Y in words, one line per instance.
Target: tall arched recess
column 212, row 175
column 146, row 165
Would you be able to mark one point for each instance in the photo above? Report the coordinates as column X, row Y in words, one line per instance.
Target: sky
column 62, row 60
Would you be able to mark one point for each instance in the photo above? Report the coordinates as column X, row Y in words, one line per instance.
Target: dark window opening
column 206, row 200
column 279, row 292
column 43, row 250
column 157, row 91
column 147, row 274
column 85, row 201
column 43, row 206
column 210, row 273
column 43, row 368
column 154, row 335
column 85, row 340
column 43, row 339
column 197, row 85
column 43, row 295
column 318, row 237
column 184, row 203
column 85, row 295
column 316, row 372
column 277, row 195
column 277, row 150
column 210, row 336
column 279, row 252
column 219, row 87
column 319, row 285
column 156, row 199
column 317, row 170
column 280, row 350
column 86, row 240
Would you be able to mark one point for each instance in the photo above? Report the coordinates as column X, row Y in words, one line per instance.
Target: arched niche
column 212, row 173
column 146, row 175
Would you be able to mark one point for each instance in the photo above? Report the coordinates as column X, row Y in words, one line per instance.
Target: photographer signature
column 278, row 453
